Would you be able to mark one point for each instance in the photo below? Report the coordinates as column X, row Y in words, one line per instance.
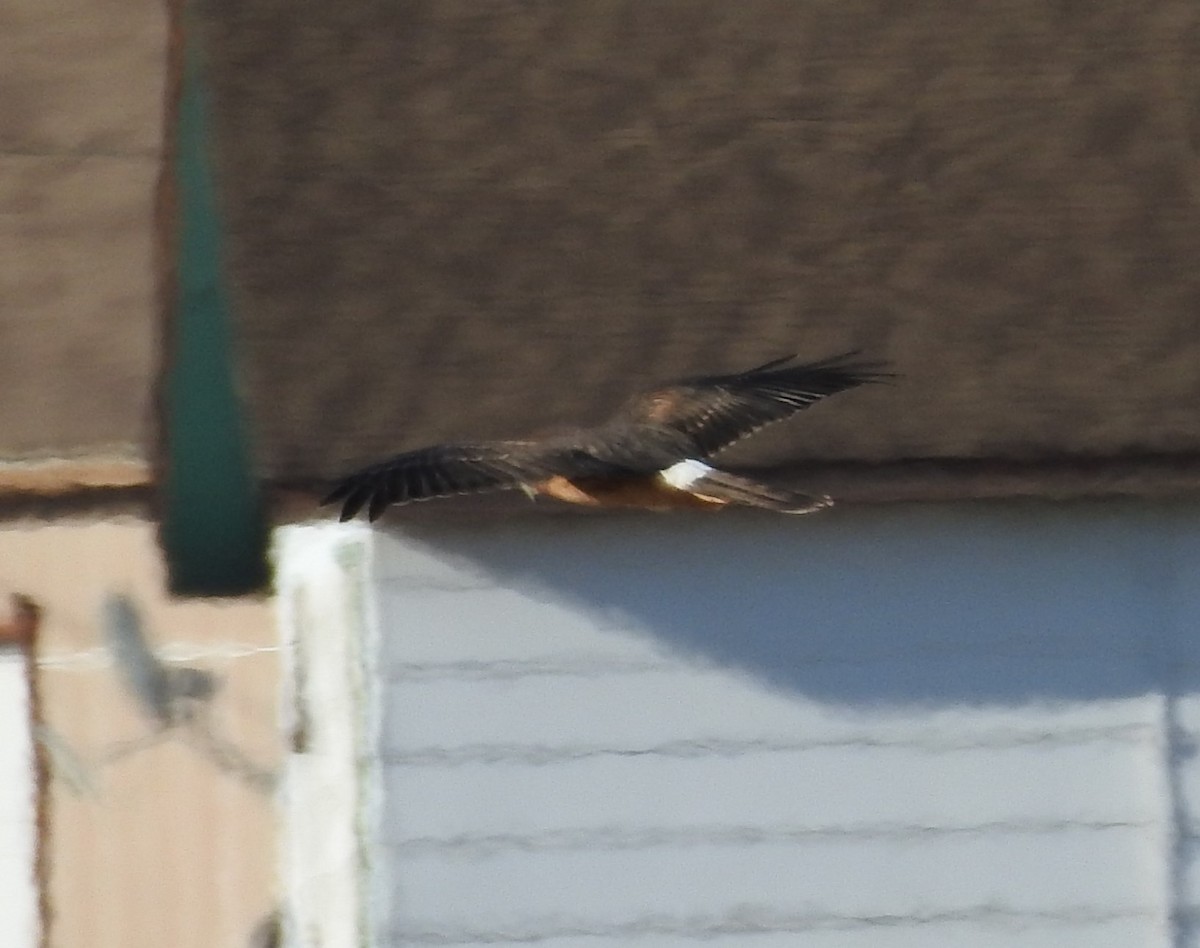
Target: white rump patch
column 684, row 474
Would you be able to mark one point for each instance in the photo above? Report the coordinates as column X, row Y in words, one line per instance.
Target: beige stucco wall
column 170, row 843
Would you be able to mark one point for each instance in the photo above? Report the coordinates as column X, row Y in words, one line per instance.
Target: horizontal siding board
column 982, row 929
column 824, row 787
column 844, row 877
column 432, row 627
column 618, row 708
column 449, row 628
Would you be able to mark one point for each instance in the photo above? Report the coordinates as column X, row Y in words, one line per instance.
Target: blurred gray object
column 176, row 698
column 169, row 695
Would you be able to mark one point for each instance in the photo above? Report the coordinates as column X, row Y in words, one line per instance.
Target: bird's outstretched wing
column 715, row 411
column 690, row 419
column 440, row 471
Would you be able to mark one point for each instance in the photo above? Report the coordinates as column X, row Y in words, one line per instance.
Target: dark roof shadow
column 933, row 605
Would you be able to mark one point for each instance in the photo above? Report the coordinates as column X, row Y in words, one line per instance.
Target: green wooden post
column 214, row 529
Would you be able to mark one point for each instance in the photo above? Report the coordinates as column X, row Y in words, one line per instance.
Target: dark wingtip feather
column 865, row 371
column 380, row 500
column 351, row 493
column 354, row 503
column 773, row 364
column 849, row 363
column 437, row 471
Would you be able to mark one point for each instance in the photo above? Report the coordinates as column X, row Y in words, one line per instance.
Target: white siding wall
column 19, row 921
column 867, row 728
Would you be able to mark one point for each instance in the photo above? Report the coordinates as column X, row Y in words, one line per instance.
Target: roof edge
column 917, row 480
column 1149, row 476
column 51, row 477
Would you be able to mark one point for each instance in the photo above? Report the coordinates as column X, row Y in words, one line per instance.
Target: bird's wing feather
column 440, row 471
column 715, row 411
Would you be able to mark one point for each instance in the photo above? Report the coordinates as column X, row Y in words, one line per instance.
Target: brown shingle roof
column 80, row 147
column 465, row 218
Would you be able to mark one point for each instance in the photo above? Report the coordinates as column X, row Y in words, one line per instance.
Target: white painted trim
column 18, row 805
column 330, row 775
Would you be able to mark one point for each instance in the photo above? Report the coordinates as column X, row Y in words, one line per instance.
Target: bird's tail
column 729, row 488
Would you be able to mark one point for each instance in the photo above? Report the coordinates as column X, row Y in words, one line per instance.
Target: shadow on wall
column 947, row 605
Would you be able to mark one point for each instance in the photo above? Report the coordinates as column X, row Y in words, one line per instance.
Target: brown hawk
column 648, row 455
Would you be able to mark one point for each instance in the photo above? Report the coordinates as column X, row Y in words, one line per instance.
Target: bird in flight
column 650, row 454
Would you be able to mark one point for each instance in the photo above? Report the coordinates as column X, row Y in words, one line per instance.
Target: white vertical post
column 326, row 794
column 18, row 804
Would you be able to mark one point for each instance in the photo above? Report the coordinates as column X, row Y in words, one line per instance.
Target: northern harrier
column 648, row 455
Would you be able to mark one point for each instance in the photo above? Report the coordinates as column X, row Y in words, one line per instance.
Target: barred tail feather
column 729, row 488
